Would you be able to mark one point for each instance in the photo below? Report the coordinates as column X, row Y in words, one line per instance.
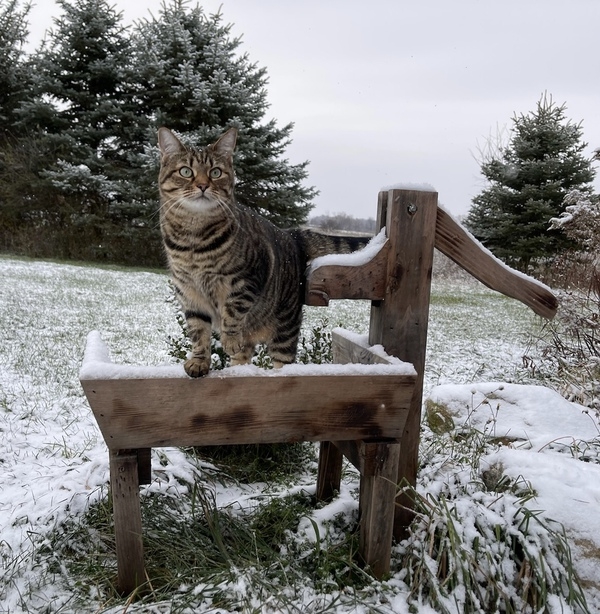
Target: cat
column 233, row 270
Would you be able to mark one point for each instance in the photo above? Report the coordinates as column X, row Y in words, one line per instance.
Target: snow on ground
column 552, row 447
column 54, row 463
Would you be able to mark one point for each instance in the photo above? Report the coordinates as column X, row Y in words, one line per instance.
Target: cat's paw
column 232, row 344
column 241, row 358
column 196, row 367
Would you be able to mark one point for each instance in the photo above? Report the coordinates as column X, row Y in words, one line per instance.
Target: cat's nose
column 202, row 186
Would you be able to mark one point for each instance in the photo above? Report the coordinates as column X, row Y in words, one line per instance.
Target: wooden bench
column 371, row 414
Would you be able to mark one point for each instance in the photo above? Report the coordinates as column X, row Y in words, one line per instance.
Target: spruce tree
column 190, row 78
column 78, row 109
column 79, row 120
column 14, row 76
column 528, row 180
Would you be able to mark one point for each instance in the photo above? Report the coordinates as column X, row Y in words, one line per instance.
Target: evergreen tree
column 14, row 76
column 78, row 108
column 581, row 221
column 190, row 79
column 82, row 178
column 79, row 121
column 528, row 182
column 15, row 172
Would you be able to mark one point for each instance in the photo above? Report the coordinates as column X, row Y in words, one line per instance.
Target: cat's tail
column 317, row 244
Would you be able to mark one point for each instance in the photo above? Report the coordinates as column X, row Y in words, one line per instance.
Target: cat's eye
column 186, row 171
column 215, row 173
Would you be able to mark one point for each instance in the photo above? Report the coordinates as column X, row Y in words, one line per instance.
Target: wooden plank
column 128, row 519
column 329, row 475
column 351, row 282
column 456, row 243
column 377, row 498
column 345, row 351
column 400, row 321
column 148, row 413
column 351, row 450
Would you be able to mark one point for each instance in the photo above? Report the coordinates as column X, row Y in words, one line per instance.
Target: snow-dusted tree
column 78, row 122
column 191, row 79
column 79, row 104
column 14, row 76
column 581, row 220
column 528, row 181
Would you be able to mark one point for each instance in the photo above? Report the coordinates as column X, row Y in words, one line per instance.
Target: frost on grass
column 260, row 550
column 502, row 511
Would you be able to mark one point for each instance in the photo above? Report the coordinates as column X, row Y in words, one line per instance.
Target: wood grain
column 350, row 282
column 400, row 321
column 149, row 413
column 377, row 503
column 329, row 476
column 128, row 519
column 456, row 243
column 345, row 351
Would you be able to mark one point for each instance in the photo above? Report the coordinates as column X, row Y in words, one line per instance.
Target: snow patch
column 98, row 365
column 362, row 340
column 357, row 258
column 416, row 187
column 533, row 416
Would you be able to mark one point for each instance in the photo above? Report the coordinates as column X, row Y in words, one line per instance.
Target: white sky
column 391, row 91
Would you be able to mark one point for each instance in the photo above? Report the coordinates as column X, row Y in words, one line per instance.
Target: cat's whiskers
column 167, row 206
column 228, row 210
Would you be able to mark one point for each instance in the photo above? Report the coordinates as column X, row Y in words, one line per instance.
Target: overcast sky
column 404, row 91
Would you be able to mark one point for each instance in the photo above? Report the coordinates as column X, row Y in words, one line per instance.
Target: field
column 229, row 532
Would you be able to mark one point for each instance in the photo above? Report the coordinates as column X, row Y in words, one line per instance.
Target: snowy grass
column 220, row 537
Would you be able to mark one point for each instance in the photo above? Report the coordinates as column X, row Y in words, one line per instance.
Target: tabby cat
column 233, row 270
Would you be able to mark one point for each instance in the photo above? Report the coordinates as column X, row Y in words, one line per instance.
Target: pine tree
column 191, row 80
column 14, row 76
column 78, row 109
column 581, row 221
column 79, row 121
column 528, row 181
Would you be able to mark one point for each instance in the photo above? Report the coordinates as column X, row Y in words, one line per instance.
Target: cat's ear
column 168, row 143
column 226, row 142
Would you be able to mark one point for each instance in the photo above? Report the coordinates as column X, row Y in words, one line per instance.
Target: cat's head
column 199, row 179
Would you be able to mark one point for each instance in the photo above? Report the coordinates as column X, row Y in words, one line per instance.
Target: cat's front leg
column 199, row 325
column 234, row 338
column 239, row 349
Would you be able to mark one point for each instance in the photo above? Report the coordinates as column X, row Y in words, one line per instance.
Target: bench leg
column 377, row 503
column 125, row 488
column 330, row 471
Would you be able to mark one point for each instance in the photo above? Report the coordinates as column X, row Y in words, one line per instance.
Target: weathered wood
column 377, row 503
column 345, row 351
column 377, row 462
column 366, row 418
column 352, row 282
column 351, row 450
column 128, row 519
column 456, row 243
column 329, row 475
column 399, row 322
column 236, row 410
column 368, row 281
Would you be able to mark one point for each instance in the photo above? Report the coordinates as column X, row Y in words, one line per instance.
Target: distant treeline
column 343, row 221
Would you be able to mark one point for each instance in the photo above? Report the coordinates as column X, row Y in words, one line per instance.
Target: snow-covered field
column 54, row 463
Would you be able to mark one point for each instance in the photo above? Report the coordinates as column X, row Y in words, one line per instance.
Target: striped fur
column 233, row 271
